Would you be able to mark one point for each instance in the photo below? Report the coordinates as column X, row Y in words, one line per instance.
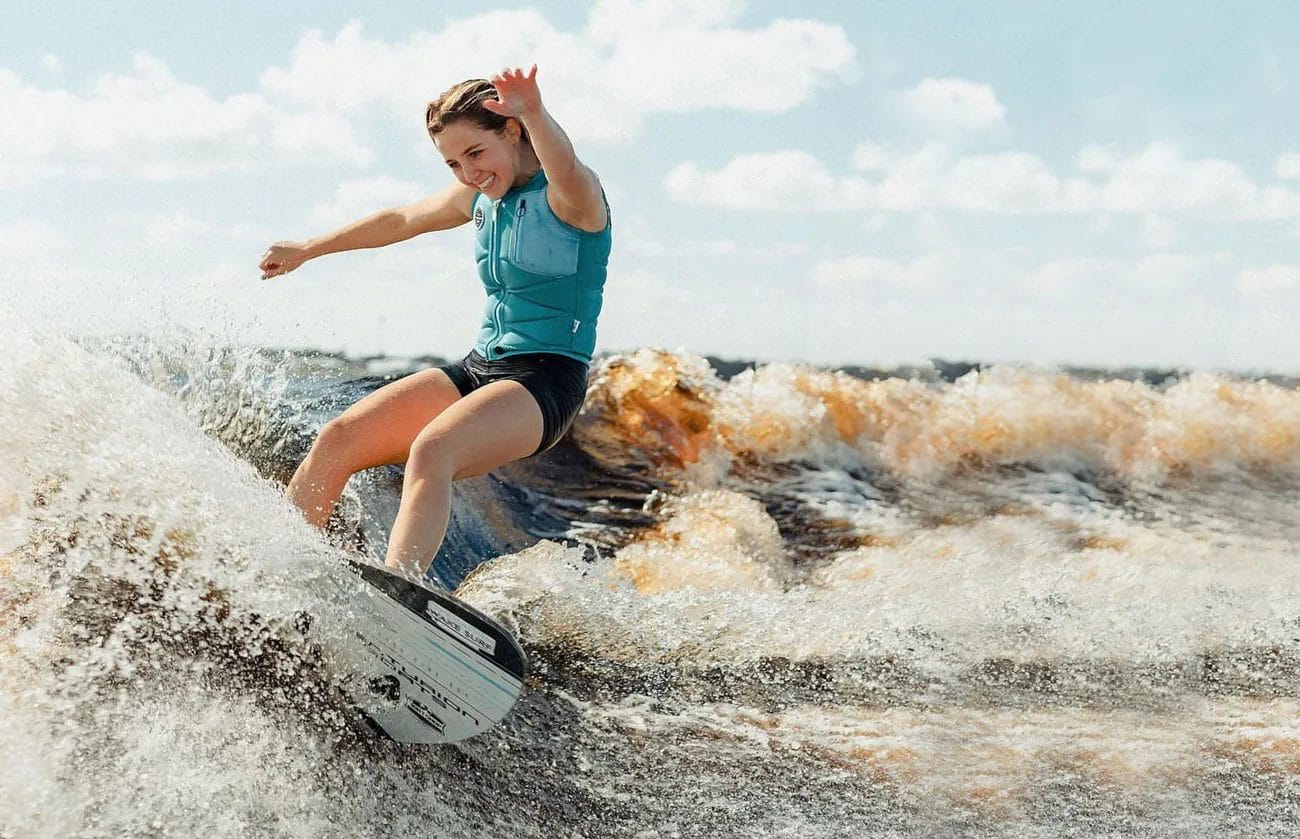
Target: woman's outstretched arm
column 449, row 208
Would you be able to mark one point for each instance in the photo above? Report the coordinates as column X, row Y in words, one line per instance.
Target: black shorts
column 557, row 382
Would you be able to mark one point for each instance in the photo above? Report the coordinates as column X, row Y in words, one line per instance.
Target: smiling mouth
column 487, row 182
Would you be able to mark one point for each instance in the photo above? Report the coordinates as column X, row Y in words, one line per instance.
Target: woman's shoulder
column 588, row 216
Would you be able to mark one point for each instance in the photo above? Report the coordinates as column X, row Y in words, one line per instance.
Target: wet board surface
column 441, row 670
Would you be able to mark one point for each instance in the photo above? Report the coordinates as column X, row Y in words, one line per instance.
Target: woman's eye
column 475, row 153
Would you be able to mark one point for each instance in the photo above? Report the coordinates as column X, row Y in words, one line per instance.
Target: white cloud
column 1279, row 202
column 870, row 157
column 1097, row 159
column 645, row 308
column 1156, row 182
column 1160, row 178
column 319, row 130
column 1111, row 280
column 782, row 180
column 953, row 104
column 144, row 123
column 637, row 236
column 714, row 63
column 355, row 199
column 870, row 277
column 1159, row 232
column 176, row 229
column 929, row 178
column 980, row 305
column 1288, row 166
column 1269, row 280
column 1010, row 182
column 52, row 62
column 25, row 240
column 350, row 71
column 147, row 123
column 911, row 182
column 611, row 19
column 853, row 272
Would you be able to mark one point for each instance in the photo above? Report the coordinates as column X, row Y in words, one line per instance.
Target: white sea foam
column 1013, row 607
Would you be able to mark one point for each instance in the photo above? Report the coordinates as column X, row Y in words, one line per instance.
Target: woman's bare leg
column 492, row 426
column 376, row 431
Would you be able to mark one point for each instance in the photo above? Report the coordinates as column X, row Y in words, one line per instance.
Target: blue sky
column 1020, row 182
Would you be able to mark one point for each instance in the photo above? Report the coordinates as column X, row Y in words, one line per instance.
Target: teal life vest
column 544, row 279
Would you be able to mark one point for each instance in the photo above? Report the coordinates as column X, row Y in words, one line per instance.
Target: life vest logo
column 478, row 218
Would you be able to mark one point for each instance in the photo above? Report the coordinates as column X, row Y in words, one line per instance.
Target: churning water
column 779, row 602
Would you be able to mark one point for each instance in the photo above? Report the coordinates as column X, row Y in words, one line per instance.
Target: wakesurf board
column 437, row 670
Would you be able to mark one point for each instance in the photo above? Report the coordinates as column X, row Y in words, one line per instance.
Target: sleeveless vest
column 544, row 279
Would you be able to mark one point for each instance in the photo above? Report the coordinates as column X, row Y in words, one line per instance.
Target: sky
column 874, row 184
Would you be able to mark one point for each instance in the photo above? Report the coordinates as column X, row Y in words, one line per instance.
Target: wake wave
column 963, row 603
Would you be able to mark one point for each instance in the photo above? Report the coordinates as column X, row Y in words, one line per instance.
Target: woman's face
column 480, row 158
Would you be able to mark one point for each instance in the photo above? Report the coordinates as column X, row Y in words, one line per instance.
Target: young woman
column 543, row 242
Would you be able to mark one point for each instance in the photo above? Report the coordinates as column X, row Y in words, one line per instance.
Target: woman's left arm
column 573, row 190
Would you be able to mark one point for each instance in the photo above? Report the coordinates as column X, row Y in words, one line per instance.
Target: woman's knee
column 432, row 455
column 335, row 440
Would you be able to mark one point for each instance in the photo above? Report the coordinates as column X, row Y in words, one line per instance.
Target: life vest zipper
column 520, row 212
column 496, row 255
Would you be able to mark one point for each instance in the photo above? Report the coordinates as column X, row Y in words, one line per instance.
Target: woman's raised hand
column 517, row 93
column 281, row 258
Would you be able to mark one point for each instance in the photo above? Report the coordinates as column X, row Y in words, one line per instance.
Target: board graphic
column 441, row 670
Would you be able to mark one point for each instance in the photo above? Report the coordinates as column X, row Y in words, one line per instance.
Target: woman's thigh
column 379, row 429
column 492, row 426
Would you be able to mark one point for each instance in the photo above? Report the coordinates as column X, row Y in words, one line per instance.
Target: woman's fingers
column 514, row 74
column 280, row 259
column 516, row 90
